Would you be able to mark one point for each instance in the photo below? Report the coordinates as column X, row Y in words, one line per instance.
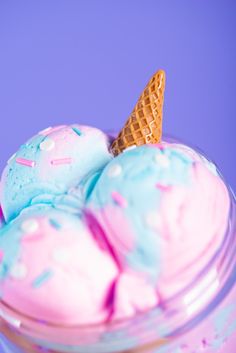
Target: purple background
column 88, row 61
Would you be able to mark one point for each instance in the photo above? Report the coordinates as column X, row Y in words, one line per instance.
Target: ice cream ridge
column 98, row 229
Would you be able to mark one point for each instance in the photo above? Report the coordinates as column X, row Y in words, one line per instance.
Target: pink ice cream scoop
column 52, row 268
column 164, row 210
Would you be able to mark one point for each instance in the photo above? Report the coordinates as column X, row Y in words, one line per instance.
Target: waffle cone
column 144, row 125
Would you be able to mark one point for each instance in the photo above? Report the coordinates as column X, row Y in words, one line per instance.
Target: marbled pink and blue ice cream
column 49, row 269
column 51, row 164
column 133, row 231
column 165, row 212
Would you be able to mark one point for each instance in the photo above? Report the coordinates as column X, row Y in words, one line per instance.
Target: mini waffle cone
column 145, row 122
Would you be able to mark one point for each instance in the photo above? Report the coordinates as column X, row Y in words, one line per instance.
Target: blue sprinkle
column 45, row 276
column 77, row 131
column 54, row 223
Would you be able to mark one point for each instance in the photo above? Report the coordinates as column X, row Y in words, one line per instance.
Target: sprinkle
column 61, row 161
column 47, row 145
column 129, row 148
column 158, row 145
column 41, row 279
column 1, row 255
column 114, row 170
column 54, row 223
column 26, row 162
column 30, row 226
column 153, row 220
column 162, row 160
column 77, row 131
column 119, row 199
column 162, row 187
column 19, row 271
column 61, row 255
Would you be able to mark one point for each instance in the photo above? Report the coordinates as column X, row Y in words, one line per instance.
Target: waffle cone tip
column 144, row 125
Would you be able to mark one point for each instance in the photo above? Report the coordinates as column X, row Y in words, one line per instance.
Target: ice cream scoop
column 52, row 268
column 51, row 163
column 164, row 209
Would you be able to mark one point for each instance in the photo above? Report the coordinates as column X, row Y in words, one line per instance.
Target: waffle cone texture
column 144, row 125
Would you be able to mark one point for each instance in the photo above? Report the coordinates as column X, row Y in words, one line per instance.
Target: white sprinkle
column 29, row 226
column 61, row 255
column 11, row 320
column 11, row 158
column 162, row 160
column 153, row 220
column 114, row 170
column 129, row 148
column 18, row 271
column 47, row 145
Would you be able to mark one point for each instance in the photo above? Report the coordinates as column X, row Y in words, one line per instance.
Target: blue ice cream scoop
column 52, row 163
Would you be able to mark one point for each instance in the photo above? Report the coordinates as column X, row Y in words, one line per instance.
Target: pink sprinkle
column 158, row 145
column 119, row 199
column 1, row 255
column 162, row 187
column 51, row 129
column 61, row 161
column 26, row 162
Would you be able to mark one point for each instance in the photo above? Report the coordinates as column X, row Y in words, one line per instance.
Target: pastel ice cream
column 153, row 219
column 127, row 251
column 100, row 231
column 165, row 212
column 53, row 269
column 52, row 163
